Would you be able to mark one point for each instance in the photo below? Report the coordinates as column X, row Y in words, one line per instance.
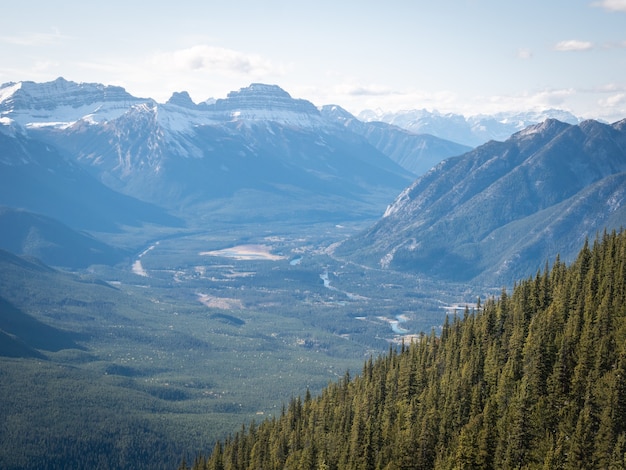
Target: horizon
column 378, row 112
column 465, row 57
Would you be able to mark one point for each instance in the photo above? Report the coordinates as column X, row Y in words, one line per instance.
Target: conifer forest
column 533, row 379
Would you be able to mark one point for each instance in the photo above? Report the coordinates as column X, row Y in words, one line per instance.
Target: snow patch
column 7, row 91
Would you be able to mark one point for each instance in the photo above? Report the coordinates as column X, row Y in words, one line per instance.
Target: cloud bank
column 573, row 45
column 216, row 59
column 611, row 5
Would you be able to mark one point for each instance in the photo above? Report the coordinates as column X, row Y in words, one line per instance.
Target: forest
column 533, row 379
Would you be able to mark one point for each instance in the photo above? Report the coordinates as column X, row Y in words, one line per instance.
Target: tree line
column 533, row 379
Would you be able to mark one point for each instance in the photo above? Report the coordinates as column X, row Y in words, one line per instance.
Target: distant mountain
column 35, row 176
column 25, row 233
column 500, row 211
column 61, row 102
column 472, row 130
column 417, row 153
column 259, row 154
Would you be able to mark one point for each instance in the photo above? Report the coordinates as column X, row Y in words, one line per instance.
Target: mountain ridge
column 258, row 142
column 470, row 130
column 445, row 224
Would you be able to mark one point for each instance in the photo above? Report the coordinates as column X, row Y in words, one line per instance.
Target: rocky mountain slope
column 416, row 152
column 36, row 177
column 503, row 209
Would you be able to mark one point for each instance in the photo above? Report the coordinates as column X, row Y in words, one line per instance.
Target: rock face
column 267, row 103
column 505, row 208
column 62, row 101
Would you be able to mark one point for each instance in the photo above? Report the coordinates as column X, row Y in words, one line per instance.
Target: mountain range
column 98, row 159
column 495, row 213
column 258, row 244
column 468, row 130
column 257, row 144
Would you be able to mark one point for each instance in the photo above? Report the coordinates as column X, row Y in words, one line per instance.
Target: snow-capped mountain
column 257, row 146
column 502, row 210
column 417, row 153
column 61, row 103
column 97, row 158
column 473, row 130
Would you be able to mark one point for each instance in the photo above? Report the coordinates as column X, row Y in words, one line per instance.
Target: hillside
column 25, row 233
column 496, row 213
column 36, row 177
column 534, row 379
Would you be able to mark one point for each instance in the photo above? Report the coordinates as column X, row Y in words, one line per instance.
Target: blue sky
column 463, row 56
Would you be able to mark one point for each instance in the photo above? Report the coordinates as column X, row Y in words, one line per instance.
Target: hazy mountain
column 258, row 154
column 472, row 130
column 500, row 211
column 25, row 233
column 36, row 177
column 417, row 153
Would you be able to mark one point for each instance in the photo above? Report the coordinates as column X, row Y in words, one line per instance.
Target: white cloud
column 610, row 88
column 524, row 53
column 573, row 45
column 215, row 59
column 614, row 101
column 355, row 89
column 611, row 5
column 551, row 98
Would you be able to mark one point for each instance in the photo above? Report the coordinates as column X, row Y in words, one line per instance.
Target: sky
column 461, row 56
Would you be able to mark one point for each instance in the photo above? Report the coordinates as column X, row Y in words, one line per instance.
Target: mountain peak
column 62, row 102
column 261, row 102
column 548, row 127
column 260, row 89
column 181, row 99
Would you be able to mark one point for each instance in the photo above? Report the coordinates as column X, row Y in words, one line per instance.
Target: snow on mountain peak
column 8, row 89
column 61, row 102
column 260, row 102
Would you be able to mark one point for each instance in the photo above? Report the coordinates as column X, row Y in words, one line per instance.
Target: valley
column 169, row 272
column 192, row 345
column 290, row 270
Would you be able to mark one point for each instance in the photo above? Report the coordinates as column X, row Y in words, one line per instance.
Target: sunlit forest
column 535, row 379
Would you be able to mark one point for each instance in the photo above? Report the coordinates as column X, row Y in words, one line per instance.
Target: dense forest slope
column 534, row 379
